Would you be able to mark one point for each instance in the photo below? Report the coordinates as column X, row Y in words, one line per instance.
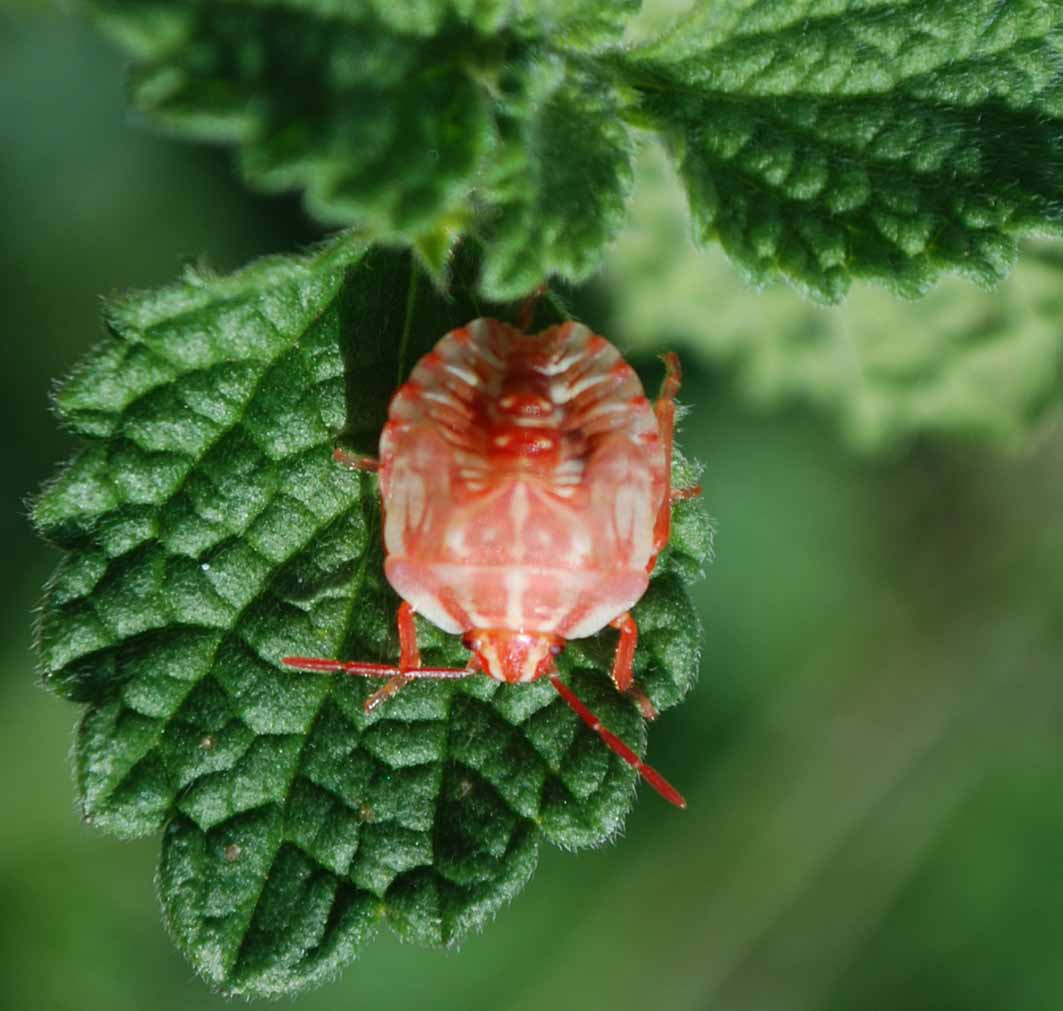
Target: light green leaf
column 208, row 533
column 561, row 191
column 958, row 362
column 574, row 24
column 821, row 141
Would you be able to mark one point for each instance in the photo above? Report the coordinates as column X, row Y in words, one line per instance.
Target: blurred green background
column 873, row 758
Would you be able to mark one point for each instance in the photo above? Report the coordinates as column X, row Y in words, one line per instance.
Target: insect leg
column 526, row 313
column 624, row 657
column 665, row 411
column 355, row 461
column 409, row 659
column 409, row 654
column 409, row 666
column 617, row 746
column 624, row 664
column 384, row 692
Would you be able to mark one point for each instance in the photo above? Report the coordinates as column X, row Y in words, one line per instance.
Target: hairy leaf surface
column 821, row 141
column 561, row 190
column 818, row 141
column 208, row 533
column 958, row 362
column 402, row 118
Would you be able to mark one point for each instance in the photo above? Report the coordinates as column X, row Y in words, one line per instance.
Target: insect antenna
column 376, row 670
column 396, row 676
column 647, row 772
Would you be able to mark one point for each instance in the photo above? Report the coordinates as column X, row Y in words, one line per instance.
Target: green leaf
column 959, row 362
column 381, row 128
column 207, row 534
column 574, row 24
column 403, row 119
column 561, row 191
column 821, row 141
column 818, row 141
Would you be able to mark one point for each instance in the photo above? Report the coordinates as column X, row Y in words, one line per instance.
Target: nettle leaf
column 560, row 194
column 399, row 117
column 575, row 23
column 207, row 534
column 818, row 141
column 960, row 362
column 823, row 140
column 380, row 127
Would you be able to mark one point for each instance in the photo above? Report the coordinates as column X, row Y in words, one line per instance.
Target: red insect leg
column 617, row 746
column 408, row 669
column 527, row 310
column 355, row 461
column 409, row 654
column 624, row 659
column 665, row 411
column 409, row 659
column 683, row 494
column 624, row 664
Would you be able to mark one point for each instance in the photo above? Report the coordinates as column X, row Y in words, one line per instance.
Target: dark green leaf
column 823, row 141
column 402, row 118
column 818, row 141
column 382, row 128
column 209, row 533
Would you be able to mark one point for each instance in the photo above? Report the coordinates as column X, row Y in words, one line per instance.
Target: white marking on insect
column 602, row 407
column 455, row 540
column 569, row 391
column 466, row 375
column 489, row 656
column 516, row 583
column 519, row 511
column 447, row 399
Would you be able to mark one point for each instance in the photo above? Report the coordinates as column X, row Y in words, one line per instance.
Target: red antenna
column 647, row 772
column 377, row 670
column 396, row 676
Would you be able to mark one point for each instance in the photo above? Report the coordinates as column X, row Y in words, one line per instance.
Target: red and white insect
column 526, row 488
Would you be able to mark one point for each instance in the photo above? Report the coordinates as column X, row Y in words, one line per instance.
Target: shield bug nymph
column 526, row 490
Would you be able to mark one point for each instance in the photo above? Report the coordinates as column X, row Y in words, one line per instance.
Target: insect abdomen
column 512, row 465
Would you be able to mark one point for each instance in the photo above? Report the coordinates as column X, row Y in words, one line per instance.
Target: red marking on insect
column 526, row 491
